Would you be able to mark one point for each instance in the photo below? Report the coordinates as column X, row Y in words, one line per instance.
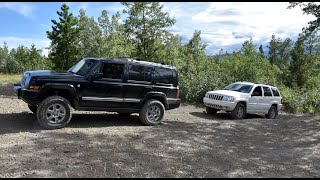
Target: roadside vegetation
column 292, row 66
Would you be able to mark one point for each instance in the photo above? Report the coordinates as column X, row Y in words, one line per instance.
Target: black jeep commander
column 116, row 85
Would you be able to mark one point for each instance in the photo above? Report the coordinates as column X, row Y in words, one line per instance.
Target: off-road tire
column 272, row 113
column 235, row 113
column 143, row 115
column 42, row 108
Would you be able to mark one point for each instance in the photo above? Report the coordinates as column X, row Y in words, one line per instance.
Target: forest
column 291, row 65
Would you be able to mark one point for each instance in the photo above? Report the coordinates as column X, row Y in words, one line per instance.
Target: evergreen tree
column 64, row 34
column 146, row 26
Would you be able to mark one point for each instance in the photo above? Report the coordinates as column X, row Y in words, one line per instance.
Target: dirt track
column 189, row 143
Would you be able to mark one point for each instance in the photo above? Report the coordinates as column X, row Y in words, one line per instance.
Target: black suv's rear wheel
column 239, row 111
column 33, row 109
column 152, row 112
column 210, row 110
column 54, row 112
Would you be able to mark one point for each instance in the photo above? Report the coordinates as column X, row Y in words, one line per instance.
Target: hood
column 39, row 73
column 48, row 74
column 228, row 93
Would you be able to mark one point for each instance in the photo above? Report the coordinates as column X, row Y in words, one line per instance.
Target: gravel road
column 189, row 143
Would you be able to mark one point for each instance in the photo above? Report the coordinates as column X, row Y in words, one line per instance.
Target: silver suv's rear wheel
column 273, row 111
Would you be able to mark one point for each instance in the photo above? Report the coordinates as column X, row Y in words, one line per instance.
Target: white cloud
column 19, row 7
column 14, row 42
column 227, row 24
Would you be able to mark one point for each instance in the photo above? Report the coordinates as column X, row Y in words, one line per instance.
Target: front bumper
column 28, row 96
column 221, row 105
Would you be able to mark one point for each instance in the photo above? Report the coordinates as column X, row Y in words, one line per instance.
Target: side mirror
column 255, row 94
column 96, row 76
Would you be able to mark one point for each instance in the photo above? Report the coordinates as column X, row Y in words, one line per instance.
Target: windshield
column 82, row 67
column 245, row 88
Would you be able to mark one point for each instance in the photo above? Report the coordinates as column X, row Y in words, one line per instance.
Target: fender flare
column 151, row 94
column 59, row 86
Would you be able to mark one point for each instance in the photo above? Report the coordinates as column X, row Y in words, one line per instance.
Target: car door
column 267, row 99
column 106, row 92
column 255, row 101
column 138, row 84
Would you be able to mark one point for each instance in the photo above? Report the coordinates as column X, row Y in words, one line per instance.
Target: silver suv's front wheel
column 239, row 111
column 54, row 112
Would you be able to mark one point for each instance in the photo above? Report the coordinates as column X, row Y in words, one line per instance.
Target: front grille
column 215, row 97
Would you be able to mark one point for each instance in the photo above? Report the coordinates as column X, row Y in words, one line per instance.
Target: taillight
column 178, row 92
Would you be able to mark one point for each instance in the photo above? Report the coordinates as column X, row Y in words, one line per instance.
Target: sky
column 223, row 25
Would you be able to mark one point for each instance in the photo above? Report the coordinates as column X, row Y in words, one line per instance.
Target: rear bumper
column 28, row 96
column 173, row 103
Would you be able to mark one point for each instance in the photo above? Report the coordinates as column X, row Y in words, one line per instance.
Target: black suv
column 124, row 86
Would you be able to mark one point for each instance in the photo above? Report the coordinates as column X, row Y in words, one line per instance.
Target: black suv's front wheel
column 54, row 112
column 152, row 112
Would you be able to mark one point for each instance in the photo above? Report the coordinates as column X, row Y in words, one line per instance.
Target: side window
column 139, row 73
column 275, row 92
column 267, row 91
column 257, row 91
column 112, row 70
column 163, row 76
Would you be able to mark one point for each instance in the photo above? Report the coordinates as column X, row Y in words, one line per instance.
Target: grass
column 10, row 78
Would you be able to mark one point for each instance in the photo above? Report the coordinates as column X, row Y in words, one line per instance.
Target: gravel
column 189, row 143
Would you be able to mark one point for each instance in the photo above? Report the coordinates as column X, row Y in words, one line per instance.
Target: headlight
column 228, row 98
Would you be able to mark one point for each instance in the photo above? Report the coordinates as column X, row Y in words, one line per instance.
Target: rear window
column 275, row 92
column 163, row 76
column 267, row 91
column 140, row 73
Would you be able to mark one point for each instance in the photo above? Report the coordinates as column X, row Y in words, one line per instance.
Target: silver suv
column 241, row 98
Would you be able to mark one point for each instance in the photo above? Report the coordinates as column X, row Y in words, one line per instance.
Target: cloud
column 19, row 7
column 14, row 42
column 228, row 24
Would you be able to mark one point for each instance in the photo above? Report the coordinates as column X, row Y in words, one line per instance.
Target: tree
column 21, row 56
column 64, row 34
column 284, row 53
column 4, row 55
column 309, row 8
column 298, row 64
column 248, row 48
column 273, row 47
column 146, row 26
column 261, row 50
column 90, row 40
column 35, row 58
column 312, row 42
